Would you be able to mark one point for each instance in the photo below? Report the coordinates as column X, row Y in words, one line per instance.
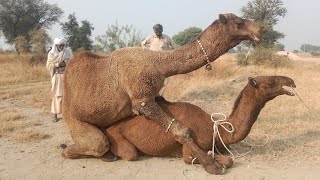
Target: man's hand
column 62, row 64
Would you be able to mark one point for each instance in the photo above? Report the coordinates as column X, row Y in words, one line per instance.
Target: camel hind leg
column 120, row 146
column 88, row 140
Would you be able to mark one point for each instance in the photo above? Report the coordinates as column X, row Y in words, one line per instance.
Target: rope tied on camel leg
column 216, row 123
column 172, row 121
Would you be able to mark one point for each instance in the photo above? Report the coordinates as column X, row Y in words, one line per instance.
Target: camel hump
column 87, row 55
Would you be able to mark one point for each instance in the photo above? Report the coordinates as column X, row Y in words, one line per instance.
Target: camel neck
column 215, row 42
column 244, row 115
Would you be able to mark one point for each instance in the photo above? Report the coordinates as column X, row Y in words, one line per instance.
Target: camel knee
column 97, row 149
column 130, row 156
column 102, row 146
column 180, row 133
column 142, row 107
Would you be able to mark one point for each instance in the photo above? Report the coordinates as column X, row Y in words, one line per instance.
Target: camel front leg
column 151, row 110
column 190, row 159
column 88, row 140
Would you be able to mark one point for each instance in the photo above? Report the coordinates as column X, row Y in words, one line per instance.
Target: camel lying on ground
column 99, row 91
column 147, row 136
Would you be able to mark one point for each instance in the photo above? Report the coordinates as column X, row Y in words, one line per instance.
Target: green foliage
column 309, row 48
column 19, row 17
column 279, row 47
column 186, row 35
column 242, row 60
column 118, row 37
column 232, row 51
column 264, row 56
column 315, row 53
column 78, row 36
column 267, row 13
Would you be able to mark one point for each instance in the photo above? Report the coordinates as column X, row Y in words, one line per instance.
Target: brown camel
column 130, row 134
column 100, row 91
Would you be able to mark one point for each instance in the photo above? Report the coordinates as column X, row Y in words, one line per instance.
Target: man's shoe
column 55, row 118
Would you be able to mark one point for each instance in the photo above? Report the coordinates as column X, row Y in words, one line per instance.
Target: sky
column 300, row 25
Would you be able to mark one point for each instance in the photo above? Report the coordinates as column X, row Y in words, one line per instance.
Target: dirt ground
column 30, row 149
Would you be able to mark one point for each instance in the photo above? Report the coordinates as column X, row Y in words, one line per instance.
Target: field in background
column 290, row 126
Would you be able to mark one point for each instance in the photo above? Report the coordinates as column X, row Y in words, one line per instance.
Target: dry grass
column 27, row 136
column 18, row 69
column 8, row 120
column 24, row 88
column 15, row 126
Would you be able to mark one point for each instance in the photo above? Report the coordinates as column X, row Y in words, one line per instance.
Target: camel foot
column 224, row 160
column 108, row 157
column 215, row 169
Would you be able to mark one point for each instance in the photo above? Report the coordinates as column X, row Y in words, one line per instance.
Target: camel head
column 268, row 87
column 240, row 29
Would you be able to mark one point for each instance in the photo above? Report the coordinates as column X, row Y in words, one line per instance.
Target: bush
column 242, row 60
column 264, row 56
column 315, row 53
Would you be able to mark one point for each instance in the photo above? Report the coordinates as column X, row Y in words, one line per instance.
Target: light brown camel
column 130, row 134
column 100, row 91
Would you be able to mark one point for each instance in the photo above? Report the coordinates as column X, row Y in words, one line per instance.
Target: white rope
column 248, row 51
column 251, row 145
column 172, row 121
column 216, row 123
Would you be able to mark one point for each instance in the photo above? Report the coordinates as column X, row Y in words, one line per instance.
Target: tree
column 118, row 37
column 309, row 48
column 21, row 45
column 19, row 17
column 78, row 36
column 279, row 47
column 187, row 35
column 39, row 40
column 267, row 13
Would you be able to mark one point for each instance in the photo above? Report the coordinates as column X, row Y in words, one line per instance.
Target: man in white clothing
column 158, row 41
column 58, row 58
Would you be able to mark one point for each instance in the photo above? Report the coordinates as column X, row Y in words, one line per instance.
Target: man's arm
column 145, row 42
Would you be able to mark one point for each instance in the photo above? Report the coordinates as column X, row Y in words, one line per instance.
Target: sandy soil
column 41, row 159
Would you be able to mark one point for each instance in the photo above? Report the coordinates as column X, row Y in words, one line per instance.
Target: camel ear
column 223, row 19
column 253, row 82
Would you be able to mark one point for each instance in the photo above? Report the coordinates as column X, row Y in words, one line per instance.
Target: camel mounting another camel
column 99, row 91
column 139, row 133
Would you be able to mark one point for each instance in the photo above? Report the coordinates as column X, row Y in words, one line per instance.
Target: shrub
column 315, row 53
column 242, row 60
column 264, row 56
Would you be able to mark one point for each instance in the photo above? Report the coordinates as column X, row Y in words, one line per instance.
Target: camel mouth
column 288, row 90
column 254, row 37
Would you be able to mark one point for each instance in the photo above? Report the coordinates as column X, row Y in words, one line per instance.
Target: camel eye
column 240, row 25
column 272, row 84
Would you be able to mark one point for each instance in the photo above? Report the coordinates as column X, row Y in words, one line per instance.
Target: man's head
column 60, row 43
column 158, row 29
